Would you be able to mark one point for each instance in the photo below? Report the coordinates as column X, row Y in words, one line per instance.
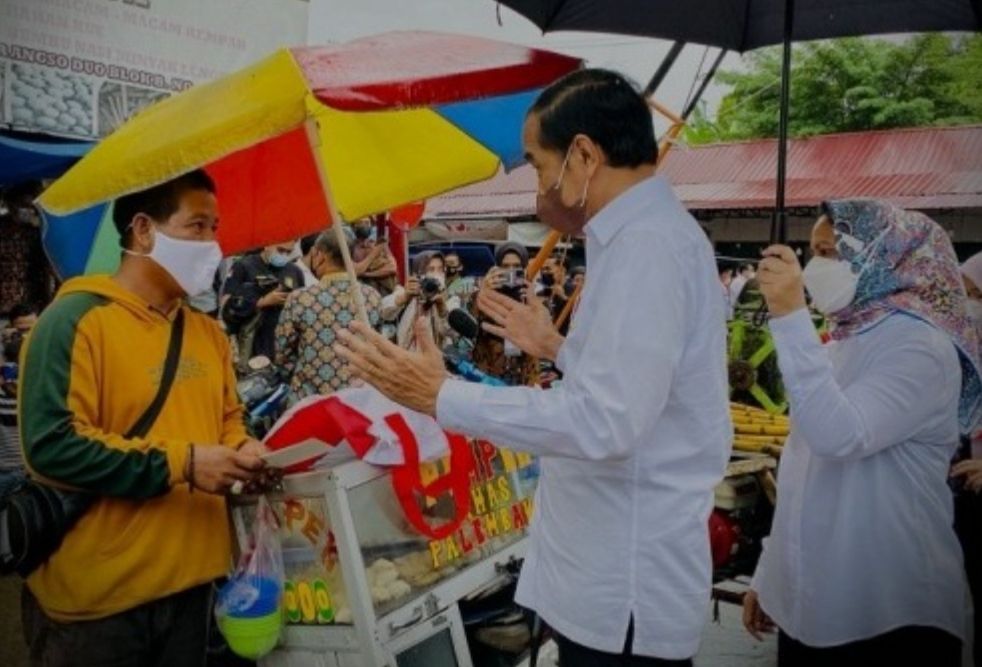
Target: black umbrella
column 742, row 25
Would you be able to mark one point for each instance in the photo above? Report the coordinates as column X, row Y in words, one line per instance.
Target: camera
column 512, row 283
column 430, row 287
column 288, row 284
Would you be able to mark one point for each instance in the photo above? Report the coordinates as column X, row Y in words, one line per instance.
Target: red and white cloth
column 360, row 422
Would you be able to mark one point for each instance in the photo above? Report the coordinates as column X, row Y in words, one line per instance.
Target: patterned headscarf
column 907, row 265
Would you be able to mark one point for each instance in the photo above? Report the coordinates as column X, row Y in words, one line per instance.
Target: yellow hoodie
column 91, row 367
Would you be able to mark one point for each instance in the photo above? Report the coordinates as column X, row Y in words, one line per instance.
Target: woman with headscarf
column 423, row 296
column 862, row 566
column 492, row 354
column 967, row 472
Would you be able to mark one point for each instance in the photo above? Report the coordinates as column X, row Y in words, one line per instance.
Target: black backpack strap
column 149, row 416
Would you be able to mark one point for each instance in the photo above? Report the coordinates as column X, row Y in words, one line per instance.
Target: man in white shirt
column 636, row 438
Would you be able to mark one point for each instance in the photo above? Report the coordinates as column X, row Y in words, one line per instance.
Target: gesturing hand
column 527, row 325
column 412, row 379
column 779, row 275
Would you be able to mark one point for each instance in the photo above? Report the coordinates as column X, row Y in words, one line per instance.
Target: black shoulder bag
column 35, row 517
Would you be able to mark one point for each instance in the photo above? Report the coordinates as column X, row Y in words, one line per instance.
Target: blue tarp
column 33, row 157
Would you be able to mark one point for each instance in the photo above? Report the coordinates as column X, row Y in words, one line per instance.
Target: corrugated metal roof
column 923, row 168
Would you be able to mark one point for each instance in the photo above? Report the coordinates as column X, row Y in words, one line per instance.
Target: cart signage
column 501, row 500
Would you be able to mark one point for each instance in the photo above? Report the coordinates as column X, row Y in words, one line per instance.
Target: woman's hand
column 755, row 620
column 779, row 276
column 971, row 470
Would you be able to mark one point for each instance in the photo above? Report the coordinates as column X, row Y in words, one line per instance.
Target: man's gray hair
column 327, row 243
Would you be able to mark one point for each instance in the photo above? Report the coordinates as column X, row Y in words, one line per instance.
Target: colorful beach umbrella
column 311, row 134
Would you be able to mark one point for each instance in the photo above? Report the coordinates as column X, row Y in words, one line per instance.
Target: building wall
column 753, row 231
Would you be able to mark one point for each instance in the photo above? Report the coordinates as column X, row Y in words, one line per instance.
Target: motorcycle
column 263, row 391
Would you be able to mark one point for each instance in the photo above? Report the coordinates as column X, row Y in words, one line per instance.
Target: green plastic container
column 252, row 638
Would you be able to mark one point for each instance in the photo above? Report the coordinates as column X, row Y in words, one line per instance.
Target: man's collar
column 640, row 197
column 331, row 276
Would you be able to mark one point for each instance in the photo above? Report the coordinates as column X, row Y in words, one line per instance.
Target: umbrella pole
column 663, row 69
column 779, row 223
column 336, row 223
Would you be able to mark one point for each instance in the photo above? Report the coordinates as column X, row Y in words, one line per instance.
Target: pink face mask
column 551, row 210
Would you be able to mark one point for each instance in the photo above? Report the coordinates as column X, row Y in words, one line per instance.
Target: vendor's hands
column 267, row 478
column 971, row 470
column 217, row 468
column 527, row 325
column 755, row 620
column 412, row 379
column 779, row 276
column 274, row 299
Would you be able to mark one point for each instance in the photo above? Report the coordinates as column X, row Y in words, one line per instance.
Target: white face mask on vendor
column 192, row 264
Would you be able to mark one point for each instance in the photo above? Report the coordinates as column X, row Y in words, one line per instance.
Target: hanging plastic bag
column 249, row 608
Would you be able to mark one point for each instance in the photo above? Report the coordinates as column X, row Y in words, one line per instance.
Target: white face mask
column 831, row 283
column 192, row 264
column 975, row 311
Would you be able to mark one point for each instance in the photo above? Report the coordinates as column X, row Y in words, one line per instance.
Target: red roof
column 922, row 168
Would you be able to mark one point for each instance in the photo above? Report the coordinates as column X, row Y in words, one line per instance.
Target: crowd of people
column 863, row 566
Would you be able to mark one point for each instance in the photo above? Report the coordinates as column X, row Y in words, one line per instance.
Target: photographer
column 493, row 354
column 423, row 296
column 551, row 287
column 255, row 293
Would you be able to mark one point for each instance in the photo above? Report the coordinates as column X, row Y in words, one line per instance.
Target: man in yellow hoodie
column 131, row 582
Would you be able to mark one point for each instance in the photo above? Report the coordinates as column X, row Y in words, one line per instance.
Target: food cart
column 364, row 587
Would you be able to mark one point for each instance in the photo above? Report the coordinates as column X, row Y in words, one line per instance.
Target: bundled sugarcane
column 756, row 430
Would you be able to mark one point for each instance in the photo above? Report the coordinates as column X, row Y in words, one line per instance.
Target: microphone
column 463, row 323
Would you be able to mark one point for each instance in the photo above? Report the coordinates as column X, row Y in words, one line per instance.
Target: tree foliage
column 849, row 85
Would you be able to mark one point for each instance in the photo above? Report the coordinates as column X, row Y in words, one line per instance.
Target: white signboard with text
column 79, row 68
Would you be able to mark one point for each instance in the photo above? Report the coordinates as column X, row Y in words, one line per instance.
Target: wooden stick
column 570, row 305
column 313, row 137
column 540, row 259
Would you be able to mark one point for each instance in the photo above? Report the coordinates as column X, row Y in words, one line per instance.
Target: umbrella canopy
column 28, row 157
column 742, row 25
column 311, row 134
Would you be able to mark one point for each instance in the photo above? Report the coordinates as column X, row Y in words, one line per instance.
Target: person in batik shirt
column 311, row 318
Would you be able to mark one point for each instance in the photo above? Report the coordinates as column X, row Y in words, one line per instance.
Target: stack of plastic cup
column 253, row 631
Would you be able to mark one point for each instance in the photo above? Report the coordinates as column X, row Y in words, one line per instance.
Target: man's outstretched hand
column 527, row 325
column 412, row 379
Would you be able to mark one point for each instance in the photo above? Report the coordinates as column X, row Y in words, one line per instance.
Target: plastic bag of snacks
column 249, row 608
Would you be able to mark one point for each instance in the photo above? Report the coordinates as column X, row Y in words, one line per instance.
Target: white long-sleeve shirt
column 632, row 442
column 862, row 540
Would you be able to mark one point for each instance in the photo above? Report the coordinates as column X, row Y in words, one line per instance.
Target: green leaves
column 848, row 85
